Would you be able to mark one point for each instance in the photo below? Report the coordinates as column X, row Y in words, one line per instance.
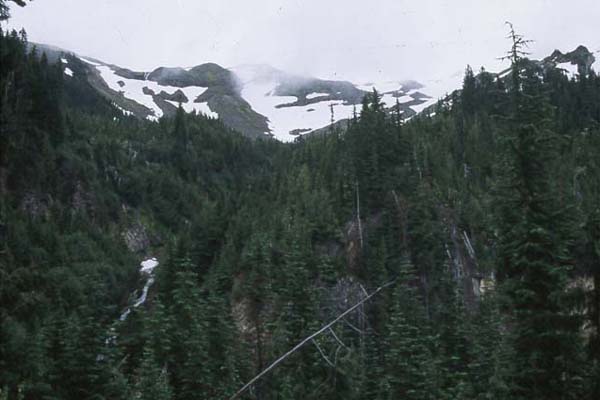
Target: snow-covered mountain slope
column 257, row 100
column 206, row 89
column 296, row 105
column 292, row 112
column 151, row 94
column 261, row 101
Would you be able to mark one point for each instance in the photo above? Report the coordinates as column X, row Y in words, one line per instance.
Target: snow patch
column 95, row 64
column 382, row 87
column 570, row 69
column 405, row 99
column 283, row 120
column 314, row 95
column 420, row 107
column 390, row 100
column 148, row 265
column 438, row 88
column 124, row 111
column 68, row 71
column 64, row 61
column 198, row 108
column 133, row 89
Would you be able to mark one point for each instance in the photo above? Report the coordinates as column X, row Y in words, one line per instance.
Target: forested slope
column 484, row 219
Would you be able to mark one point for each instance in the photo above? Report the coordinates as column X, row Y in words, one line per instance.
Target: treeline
column 484, row 216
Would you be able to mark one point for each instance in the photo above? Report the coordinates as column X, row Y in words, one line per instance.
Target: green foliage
column 260, row 243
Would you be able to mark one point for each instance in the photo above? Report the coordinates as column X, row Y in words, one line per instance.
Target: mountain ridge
column 262, row 101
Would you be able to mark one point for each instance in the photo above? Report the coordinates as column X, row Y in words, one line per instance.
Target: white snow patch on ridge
column 133, row 89
column 314, row 95
column 68, row 71
column 570, row 69
column 382, row 87
column 124, row 111
column 201, row 108
column 404, row 99
column 390, row 100
column 95, row 64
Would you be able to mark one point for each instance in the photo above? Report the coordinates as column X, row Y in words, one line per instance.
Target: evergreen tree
column 152, row 381
column 534, row 258
column 409, row 371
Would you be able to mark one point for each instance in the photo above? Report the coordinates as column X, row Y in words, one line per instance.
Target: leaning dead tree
column 308, row 339
column 358, row 216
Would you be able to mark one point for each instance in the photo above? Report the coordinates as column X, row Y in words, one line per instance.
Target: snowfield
column 284, row 120
column 382, row 87
column 258, row 85
column 133, row 89
column 569, row 69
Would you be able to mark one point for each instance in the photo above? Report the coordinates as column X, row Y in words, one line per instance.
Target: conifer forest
column 454, row 254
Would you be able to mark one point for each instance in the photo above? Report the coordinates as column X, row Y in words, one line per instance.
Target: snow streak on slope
column 68, row 70
column 314, row 95
column 189, row 107
column 133, row 89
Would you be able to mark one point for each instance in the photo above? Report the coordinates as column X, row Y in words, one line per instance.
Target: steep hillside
column 450, row 256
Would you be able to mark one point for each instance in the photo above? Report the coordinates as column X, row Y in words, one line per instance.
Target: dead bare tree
column 309, row 339
column 358, row 216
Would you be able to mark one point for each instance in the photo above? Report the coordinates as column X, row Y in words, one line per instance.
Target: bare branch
column 353, row 327
column 307, row 339
column 358, row 216
column 363, row 289
column 337, row 338
column 323, row 354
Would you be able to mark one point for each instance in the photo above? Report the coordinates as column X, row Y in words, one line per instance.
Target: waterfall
column 147, row 268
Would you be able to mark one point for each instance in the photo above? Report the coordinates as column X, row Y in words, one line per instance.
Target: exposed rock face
column 332, row 90
column 241, row 311
column 346, row 293
column 581, row 57
column 136, row 238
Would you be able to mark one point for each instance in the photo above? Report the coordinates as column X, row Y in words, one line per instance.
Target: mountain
column 574, row 63
column 261, row 101
column 257, row 100
column 297, row 105
column 453, row 256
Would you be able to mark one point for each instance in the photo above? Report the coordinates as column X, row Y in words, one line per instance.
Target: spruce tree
column 152, row 382
column 533, row 252
column 409, row 363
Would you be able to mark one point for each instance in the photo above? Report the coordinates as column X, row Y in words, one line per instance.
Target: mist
column 354, row 40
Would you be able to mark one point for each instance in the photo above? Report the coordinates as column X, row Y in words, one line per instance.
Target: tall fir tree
column 534, row 243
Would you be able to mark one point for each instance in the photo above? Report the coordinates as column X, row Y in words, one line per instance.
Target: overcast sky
column 359, row 40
